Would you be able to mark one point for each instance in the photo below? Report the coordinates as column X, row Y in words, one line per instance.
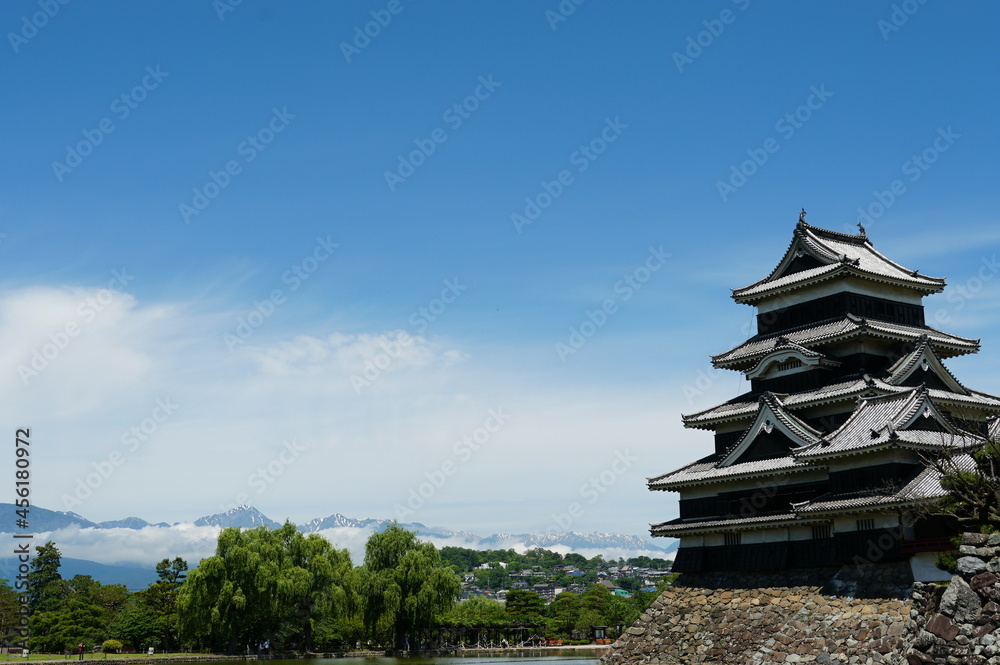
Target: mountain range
column 113, row 570
column 248, row 517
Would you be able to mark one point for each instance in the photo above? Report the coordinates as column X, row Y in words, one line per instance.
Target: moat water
column 518, row 659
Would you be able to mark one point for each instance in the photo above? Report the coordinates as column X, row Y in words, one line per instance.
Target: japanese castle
column 824, row 459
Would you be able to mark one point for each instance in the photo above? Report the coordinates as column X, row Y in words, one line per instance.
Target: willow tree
column 314, row 582
column 259, row 585
column 404, row 586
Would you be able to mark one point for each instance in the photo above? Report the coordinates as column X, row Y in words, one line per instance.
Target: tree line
column 282, row 589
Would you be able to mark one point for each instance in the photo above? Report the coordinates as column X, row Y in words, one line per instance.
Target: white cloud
column 361, row 453
column 141, row 547
column 148, row 546
column 352, row 354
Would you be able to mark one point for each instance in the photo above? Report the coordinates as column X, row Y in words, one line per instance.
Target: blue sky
column 832, row 100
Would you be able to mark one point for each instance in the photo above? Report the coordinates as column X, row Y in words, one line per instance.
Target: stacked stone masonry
column 820, row 616
column 961, row 623
column 857, row 615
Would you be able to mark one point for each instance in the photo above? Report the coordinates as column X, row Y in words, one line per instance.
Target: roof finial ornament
column 802, row 216
column 861, row 228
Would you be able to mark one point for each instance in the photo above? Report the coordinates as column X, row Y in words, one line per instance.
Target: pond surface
column 519, row 659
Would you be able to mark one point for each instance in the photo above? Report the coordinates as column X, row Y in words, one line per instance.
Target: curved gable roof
column 892, row 420
column 837, row 253
column 771, row 415
column 923, row 358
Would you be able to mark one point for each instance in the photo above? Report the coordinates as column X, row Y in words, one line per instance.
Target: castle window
column 733, row 538
column 866, row 525
column 791, row 363
column 822, row 531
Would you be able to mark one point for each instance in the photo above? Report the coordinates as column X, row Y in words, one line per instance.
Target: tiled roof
column 707, row 470
column 745, row 406
column 923, row 357
column 925, row 485
column 679, row 525
column 879, row 422
column 771, row 407
column 839, row 253
column 833, row 330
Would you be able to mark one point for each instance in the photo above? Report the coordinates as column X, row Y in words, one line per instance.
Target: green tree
column 478, row 612
column 172, row 572
column 314, row 580
column 10, row 617
column 261, row 584
column 525, row 605
column 404, row 585
column 495, row 578
column 629, row 583
column 139, row 626
column 461, row 558
column 230, row 599
column 80, row 611
column 972, row 486
column 595, row 607
column 565, row 612
column 44, row 580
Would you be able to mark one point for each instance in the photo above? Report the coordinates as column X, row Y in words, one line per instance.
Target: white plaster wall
column 710, row 539
column 924, row 570
column 850, row 523
column 829, row 287
column 691, row 541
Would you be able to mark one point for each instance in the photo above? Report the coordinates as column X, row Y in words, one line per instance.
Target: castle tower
column 821, row 461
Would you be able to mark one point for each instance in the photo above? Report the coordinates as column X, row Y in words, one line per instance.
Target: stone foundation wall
column 854, row 615
column 961, row 623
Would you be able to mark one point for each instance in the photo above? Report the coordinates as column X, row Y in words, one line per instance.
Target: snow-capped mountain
column 337, row 520
column 248, row 517
column 128, row 523
column 245, row 517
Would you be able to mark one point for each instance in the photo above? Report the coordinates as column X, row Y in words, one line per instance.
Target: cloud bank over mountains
column 135, row 542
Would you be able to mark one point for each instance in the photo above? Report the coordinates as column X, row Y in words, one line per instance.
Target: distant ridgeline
column 42, row 521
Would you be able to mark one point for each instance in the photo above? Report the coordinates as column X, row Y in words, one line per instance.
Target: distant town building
column 820, row 462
